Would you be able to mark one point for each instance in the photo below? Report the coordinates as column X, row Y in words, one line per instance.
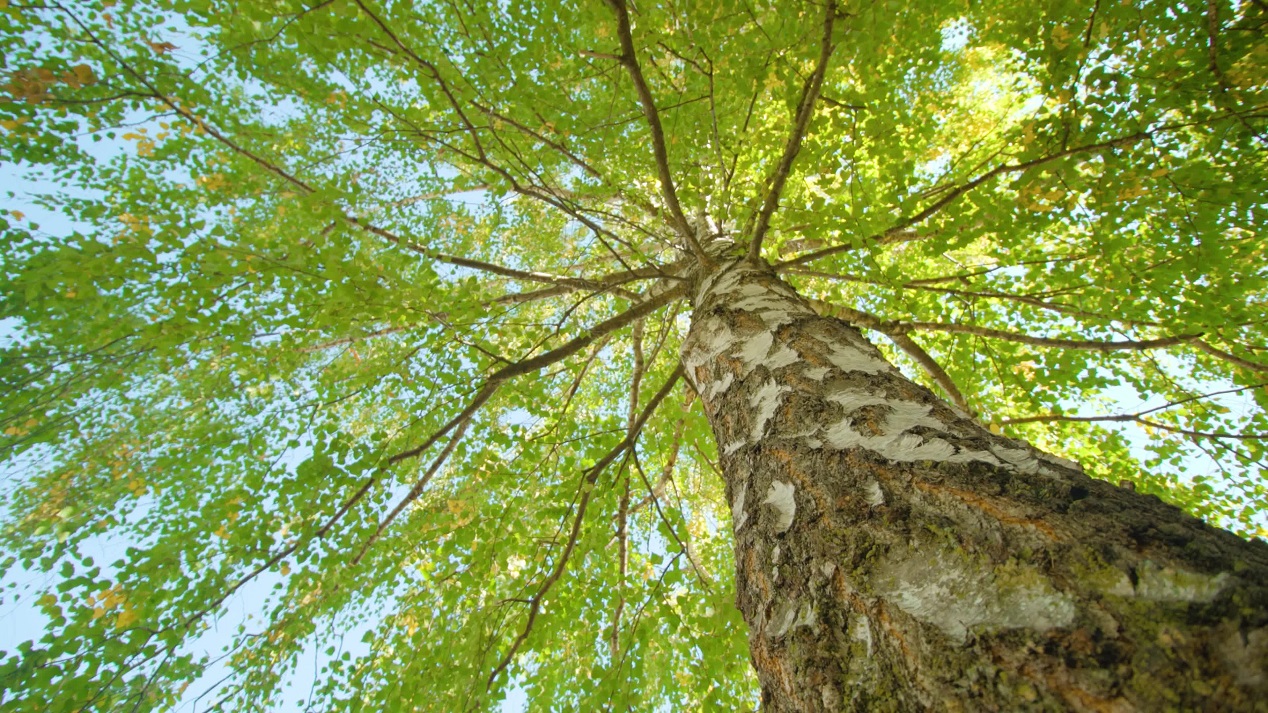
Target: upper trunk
column 893, row 554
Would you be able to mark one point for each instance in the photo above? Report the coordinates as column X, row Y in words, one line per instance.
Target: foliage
column 365, row 315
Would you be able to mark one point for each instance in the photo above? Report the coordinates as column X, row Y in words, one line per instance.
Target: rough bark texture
column 894, row 555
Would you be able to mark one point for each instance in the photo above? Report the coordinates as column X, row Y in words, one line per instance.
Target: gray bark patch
column 780, row 497
column 956, row 593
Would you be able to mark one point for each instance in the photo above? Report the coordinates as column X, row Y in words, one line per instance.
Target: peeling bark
column 893, row 555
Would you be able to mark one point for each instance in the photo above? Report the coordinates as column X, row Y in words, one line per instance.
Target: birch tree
column 384, row 355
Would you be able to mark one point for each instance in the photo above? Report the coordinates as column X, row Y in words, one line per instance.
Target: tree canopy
column 368, row 313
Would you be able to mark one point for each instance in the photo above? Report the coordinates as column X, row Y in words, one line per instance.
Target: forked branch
column 629, row 59
column 544, row 359
column 459, row 423
column 801, row 121
column 903, row 226
column 588, row 479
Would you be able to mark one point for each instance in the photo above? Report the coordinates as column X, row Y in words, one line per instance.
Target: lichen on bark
column 893, row 554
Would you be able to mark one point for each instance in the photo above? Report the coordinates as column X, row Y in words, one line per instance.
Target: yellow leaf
column 995, row 429
column 112, row 597
column 212, row 182
column 222, row 533
column 48, row 600
column 84, row 74
column 126, row 617
column 286, row 569
column 17, row 214
column 161, row 47
column 1061, row 37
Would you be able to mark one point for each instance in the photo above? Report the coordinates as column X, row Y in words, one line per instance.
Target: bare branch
column 805, row 110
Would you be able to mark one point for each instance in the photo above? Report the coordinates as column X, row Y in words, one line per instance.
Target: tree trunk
column 894, row 555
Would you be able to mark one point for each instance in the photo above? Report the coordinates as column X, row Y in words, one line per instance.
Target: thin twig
column 705, row 579
column 623, row 507
column 419, row 485
column 872, row 321
column 1138, row 416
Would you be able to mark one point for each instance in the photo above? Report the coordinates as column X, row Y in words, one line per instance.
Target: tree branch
column 629, row 58
column 1138, row 417
column 1076, row 344
column 420, row 484
column 589, row 478
column 805, row 110
column 1204, row 346
column 534, row 363
column 951, row 195
column 623, row 507
column 304, row 187
column 872, row 321
column 705, row 579
column 902, row 341
column 933, row 368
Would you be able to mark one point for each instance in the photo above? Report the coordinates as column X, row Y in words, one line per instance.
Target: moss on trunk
column 893, row 554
